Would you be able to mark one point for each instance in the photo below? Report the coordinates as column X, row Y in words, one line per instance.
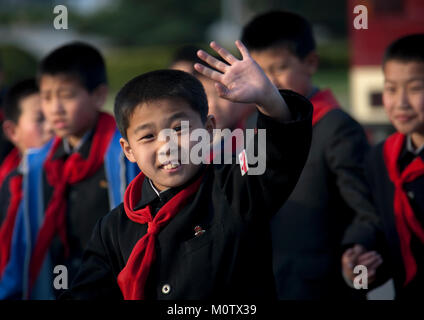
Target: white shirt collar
column 69, row 149
column 410, row 147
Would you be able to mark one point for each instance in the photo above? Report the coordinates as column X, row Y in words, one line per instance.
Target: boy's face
column 145, row 148
column 69, row 107
column 286, row 70
column 403, row 95
column 32, row 130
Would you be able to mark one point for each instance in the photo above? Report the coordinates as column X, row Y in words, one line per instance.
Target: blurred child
column 5, row 145
column 72, row 181
column 227, row 114
column 25, row 126
column 331, row 191
column 195, row 231
column 395, row 170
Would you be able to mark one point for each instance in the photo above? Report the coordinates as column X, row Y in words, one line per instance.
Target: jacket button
column 411, row 195
column 166, row 289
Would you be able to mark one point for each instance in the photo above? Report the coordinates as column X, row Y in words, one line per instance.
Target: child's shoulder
column 338, row 119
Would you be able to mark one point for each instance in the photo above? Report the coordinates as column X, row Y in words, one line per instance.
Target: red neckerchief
column 60, row 174
column 406, row 222
column 9, row 164
column 133, row 276
column 6, row 230
column 323, row 102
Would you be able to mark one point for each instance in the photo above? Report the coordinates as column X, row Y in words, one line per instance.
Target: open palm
column 239, row 80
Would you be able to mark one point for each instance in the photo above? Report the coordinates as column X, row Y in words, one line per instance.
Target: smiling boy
column 392, row 243
column 188, row 231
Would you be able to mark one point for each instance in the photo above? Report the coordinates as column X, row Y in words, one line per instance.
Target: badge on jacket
column 243, row 162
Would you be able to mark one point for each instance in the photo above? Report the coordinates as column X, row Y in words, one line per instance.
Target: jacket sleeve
column 283, row 153
column 95, row 278
column 367, row 229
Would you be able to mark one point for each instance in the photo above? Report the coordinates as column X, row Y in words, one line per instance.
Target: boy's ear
column 127, row 150
column 9, row 129
column 311, row 62
column 99, row 96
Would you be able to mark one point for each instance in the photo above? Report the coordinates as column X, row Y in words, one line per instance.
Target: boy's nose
column 57, row 106
column 402, row 100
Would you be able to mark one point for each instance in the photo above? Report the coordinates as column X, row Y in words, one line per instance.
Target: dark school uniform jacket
column 87, row 201
column 379, row 232
column 308, row 229
column 232, row 258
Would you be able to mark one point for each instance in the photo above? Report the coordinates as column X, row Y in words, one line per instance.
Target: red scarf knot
column 152, row 228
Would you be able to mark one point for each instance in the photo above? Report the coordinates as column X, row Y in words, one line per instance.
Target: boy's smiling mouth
column 170, row 166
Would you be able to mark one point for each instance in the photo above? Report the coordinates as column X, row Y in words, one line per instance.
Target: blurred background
column 139, row 36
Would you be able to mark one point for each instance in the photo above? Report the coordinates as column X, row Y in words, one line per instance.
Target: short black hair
column 157, row 85
column 76, row 59
column 14, row 95
column 409, row 48
column 279, row 29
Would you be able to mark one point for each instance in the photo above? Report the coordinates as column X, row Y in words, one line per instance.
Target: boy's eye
column 281, row 68
column 67, row 95
column 416, row 87
column 146, row 137
column 389, row 89
column 177, row 128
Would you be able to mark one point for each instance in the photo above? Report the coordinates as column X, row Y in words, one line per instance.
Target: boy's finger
column 359, row 249
column 223, row 53
column 375, row 265
column 219, row 65
column 369, row 261
column 367, row 255
column 243, row 50
column 222, row 90
column 208, row 72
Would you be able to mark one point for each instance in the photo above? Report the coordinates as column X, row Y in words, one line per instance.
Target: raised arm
column 243, row 81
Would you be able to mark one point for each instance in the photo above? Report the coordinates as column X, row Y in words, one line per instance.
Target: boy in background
column 391, row 243
column 26, row 127
column 72, row 181
column 331, row 191
column 5, row 145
